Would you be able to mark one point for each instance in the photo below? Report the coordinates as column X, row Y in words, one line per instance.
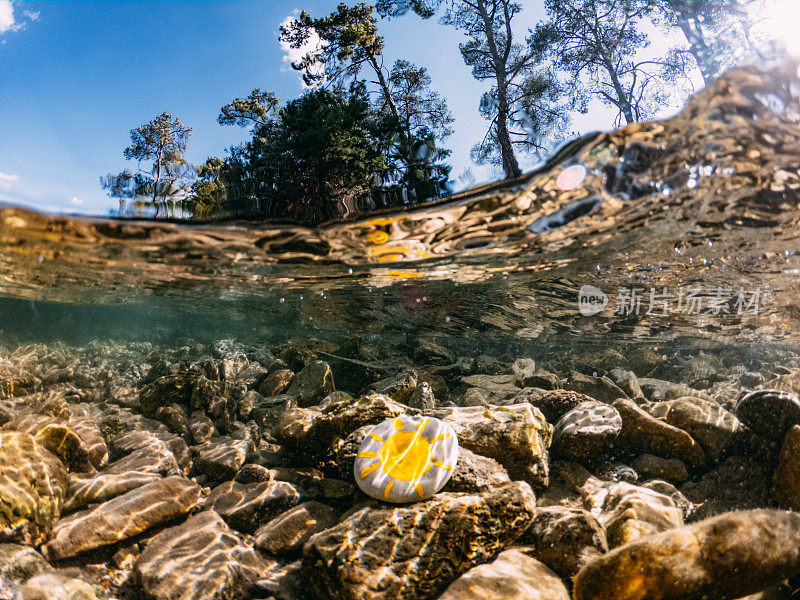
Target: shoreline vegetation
column 365, row 136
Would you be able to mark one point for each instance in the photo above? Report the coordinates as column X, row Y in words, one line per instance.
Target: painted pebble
column 406, row 459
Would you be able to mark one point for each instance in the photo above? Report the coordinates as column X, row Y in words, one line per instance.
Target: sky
column 77, row 76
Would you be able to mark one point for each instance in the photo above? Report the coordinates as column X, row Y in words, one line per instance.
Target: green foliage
column 349, row 39
column 119, row 186
column 596, row 44
column 417, row 105
column 210, row 191
column 396, row 8
column 317, row 155
column 523, row 104
column 165, row 184
column 252, row 111
column 716, row 32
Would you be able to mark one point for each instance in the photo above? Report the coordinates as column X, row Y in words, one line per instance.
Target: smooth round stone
column 587, row 431
column 770, row 413
column 406, row 459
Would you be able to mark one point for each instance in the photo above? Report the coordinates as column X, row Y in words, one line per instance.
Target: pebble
column 769, row 412
column 586, row 432
column 729, row 556
column 406, row 459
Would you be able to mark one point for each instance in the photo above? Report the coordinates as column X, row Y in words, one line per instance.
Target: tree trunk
column 510, row 164
column 387, row 94
column 623, row 102
column 509, row 160
column 707, row 63
column 158, row 179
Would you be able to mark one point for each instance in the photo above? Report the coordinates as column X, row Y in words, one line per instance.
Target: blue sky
column 77, row 76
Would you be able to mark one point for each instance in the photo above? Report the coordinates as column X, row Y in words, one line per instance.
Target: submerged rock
column 414, row 551
column 629, row 512
column 33, row 484
column 713, row 427
column 312, row 383
column 475, row 473
column 524, row 369
column 202, row 559
column 554, row 404
column 565, row 538
column 155, row 459
column 655, row 467
column 770, row 413
column 600, row 388
column 786, row 480
column 58, row 586
column 86, row 490
column 276, row 382
column 123, row 517
column 19, row 563
column 221, row 458
column 313, row 431
column 586, row 432
column 516, row 436
column 724, row 557
column 287, row 533
column 131, row 441
column 248, row 506
column 644, row 433
column 511, row 576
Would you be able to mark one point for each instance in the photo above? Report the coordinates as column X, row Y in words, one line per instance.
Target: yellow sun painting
column 406, row 459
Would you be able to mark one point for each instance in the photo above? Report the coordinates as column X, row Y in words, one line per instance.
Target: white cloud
column 291, row 55
column 7, row 180
column 33, row 16
column 6, row 16
column 76, row 201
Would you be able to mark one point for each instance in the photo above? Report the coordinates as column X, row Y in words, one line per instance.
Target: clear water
column 702, row 201
column 679, row 238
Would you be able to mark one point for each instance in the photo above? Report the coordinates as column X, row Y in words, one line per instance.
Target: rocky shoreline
column 224, row 471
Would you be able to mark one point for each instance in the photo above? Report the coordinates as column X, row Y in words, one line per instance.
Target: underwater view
column 325, row 366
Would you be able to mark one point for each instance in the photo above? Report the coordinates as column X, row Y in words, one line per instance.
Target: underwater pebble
column 406, row 459
column 769, row 412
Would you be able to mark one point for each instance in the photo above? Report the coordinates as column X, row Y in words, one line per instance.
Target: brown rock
column 554, row 404
column 202, row 559
column 475, row 473
column 123, row 517
column 414, row 551
column 655, row 467
column 516, row 436
column 221, row 458
column 643, row 433
column 286, row 534
column 512, row 576
column 248, row 506
column 725, row 557
column 33, row 483
column 85, row 490
column 276, row 382
column 713, row 427
column 600, row 388
column 786, row 480
column 565, row 538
